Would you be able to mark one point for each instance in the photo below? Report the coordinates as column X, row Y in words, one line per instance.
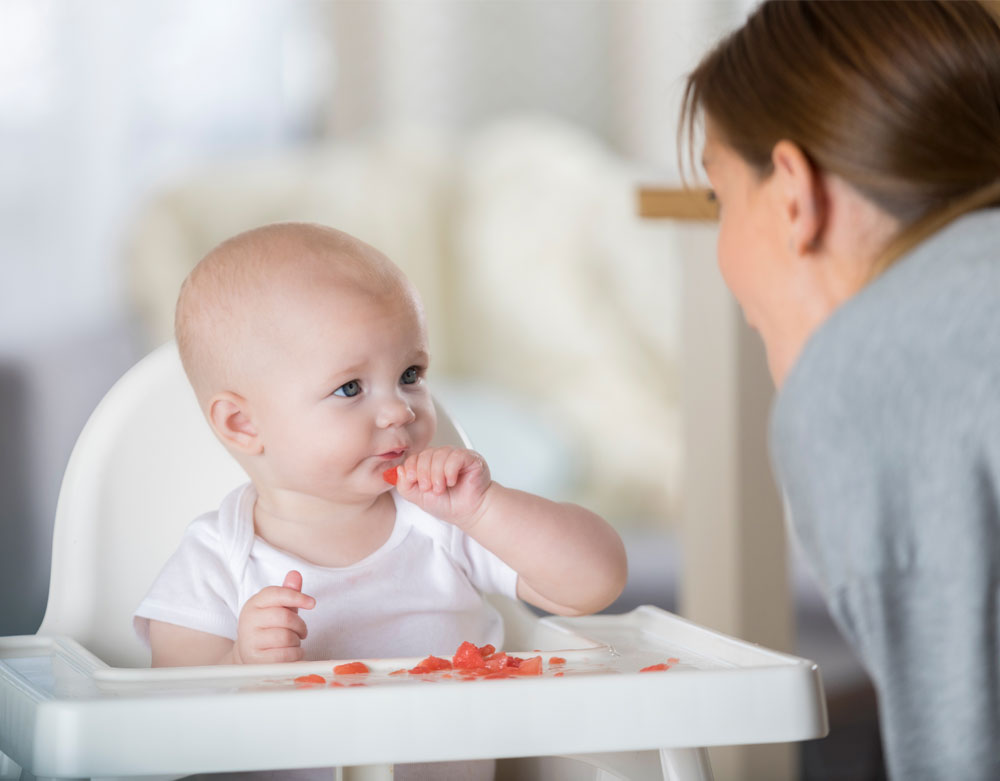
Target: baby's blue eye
column 348, row 389
column 410, row 376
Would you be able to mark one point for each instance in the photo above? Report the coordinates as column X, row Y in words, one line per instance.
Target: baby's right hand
column 270, row 629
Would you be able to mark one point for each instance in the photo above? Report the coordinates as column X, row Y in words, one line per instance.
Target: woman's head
column 837, row 135
column 900, row 100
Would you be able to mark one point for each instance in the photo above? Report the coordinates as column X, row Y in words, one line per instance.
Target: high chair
column 78, row 700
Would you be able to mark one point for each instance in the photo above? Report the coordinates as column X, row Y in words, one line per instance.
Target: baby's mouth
column 392, row 455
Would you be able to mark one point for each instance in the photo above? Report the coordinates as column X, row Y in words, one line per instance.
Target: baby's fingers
column 420, row 468
column 293, row 580
column 438, row 477
column 280, row 618
column 456, row 461
column 280, row 596
column 277, row 645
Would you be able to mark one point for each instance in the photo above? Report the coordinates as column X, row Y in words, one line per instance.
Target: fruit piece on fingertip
column 390, row 476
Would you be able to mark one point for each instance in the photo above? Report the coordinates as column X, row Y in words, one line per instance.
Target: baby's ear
column 229, row 416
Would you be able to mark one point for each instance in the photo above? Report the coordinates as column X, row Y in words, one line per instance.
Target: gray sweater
column 886, row 442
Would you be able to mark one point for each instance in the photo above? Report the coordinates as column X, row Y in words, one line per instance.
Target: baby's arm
column 568, row 559
column 269, row 630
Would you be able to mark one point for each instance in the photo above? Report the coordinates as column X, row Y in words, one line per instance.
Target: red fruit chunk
column 556, row 660
column 468, row 657
column 310, row 679
column 390, row 476
column 655, row 668
column 487, row 650
column 436, row 663
column 532, row 666
column 430, row 664
column 351, row 668
column 496, row 661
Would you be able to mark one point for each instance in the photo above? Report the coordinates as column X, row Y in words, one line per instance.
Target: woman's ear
column 229, row 416
column 803, row 198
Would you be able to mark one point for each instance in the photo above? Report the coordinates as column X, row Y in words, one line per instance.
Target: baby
column 307, row 350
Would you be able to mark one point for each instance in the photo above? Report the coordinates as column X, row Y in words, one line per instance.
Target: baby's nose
column 395, row 411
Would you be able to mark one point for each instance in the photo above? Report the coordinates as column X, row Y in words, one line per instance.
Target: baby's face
column 342, row 395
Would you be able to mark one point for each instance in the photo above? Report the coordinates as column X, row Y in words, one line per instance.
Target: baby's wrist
column 474, row 519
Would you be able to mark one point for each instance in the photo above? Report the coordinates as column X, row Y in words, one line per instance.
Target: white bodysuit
column 420, row 593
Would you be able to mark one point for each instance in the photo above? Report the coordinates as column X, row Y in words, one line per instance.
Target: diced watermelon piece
column 468, row 657
column 496, row 661
column 431, row 664
column 487, row 650
column 436, row 663
column 532, row 666
column 310, row 679
column 556, row 660
column 655, row 668
column 351, row 668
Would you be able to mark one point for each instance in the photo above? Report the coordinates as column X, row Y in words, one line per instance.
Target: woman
column 854, row 149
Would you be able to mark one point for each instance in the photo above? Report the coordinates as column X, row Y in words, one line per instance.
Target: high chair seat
column 78, row 699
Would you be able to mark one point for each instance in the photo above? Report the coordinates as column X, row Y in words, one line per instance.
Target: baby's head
column 307, row 350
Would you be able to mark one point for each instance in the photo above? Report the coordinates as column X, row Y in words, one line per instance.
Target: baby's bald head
column 231, row 304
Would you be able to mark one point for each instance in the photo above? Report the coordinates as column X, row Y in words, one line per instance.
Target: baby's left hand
column 446, row 482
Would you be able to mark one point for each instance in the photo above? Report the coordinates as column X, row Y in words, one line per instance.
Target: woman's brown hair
column 899, row 99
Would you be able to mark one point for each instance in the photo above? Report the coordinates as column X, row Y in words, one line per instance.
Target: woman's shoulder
column 931, row 322
column 890, row 420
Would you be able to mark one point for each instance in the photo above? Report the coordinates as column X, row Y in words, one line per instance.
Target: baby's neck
column 321, row 533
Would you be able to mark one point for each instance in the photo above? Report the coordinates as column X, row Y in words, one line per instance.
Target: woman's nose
column 394, row 411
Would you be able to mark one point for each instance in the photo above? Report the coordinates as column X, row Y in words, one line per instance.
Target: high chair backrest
column 144, row 466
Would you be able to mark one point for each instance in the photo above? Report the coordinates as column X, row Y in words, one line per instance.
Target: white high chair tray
column 65, row 713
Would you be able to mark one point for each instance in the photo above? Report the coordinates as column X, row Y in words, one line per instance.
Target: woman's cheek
column 728, row 261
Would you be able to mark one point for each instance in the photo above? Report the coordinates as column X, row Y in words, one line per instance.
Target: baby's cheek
column 423, row 436
column 422, row 430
